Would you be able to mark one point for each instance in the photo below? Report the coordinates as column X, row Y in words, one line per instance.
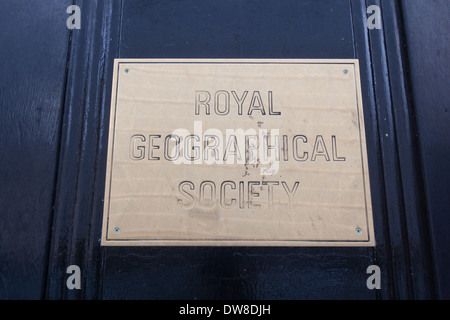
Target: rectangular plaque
column 237, row 153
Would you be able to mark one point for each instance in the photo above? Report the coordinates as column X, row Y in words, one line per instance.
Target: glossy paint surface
column 55, row 96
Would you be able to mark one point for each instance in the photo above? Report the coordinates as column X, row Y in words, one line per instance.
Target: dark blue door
column 55, row 89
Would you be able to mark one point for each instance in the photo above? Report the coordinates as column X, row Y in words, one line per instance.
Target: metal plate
column 237, row 152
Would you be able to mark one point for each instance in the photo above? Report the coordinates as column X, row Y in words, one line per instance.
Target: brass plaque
column 237, row 153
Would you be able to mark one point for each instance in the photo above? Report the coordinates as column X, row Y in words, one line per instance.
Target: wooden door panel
column 55, row 125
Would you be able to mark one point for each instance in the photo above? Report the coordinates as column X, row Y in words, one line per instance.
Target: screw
column 358, row 230
column 345, row 71
column 116, row 230
column 127, row 70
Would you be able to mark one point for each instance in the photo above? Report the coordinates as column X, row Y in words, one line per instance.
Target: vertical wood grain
column 34, row 44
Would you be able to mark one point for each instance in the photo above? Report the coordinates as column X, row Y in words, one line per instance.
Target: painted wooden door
column 55, row 95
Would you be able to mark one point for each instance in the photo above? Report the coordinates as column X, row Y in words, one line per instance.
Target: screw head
column 127, row 70
column 345, row 71
column 358, row 230
column 116, row 230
